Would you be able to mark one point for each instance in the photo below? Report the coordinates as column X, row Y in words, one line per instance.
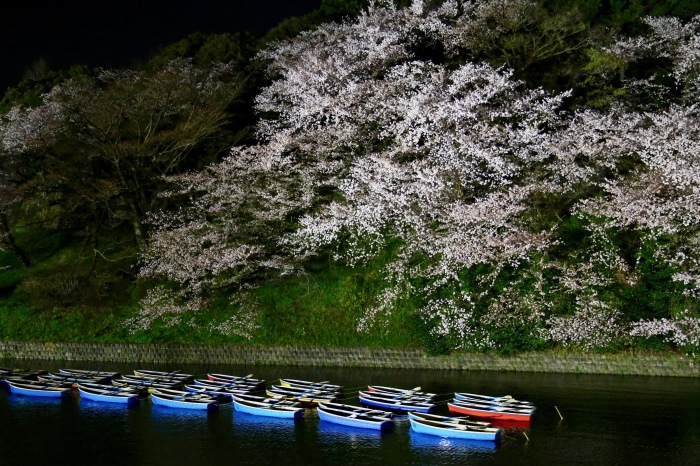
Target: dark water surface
column 606, row 420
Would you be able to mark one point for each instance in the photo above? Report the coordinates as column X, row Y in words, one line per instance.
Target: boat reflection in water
column 97, row 407
column 167, row 419
column 249, row 425
column 329, row 432
column 433, row 444
column 38, row 401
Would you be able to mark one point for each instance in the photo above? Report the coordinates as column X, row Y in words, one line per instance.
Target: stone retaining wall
column 664, row 364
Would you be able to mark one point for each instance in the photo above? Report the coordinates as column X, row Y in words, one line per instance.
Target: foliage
column 420, row 174
column 106, row 143
column 208, row 49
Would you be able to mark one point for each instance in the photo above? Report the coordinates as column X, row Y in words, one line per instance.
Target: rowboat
column 491, row 411
column 401, row 396
column 223, row 393
column 452, row 430
column 504, row 400
column 219, row 398
column 464, row 420
column 402, row 405
column 355, row 416
column 39, row 389
column 109, row 394
column 268, row 410
column 295, row 383
column 86, row 372
column 175, row 375
column 248, row 379
column 184, row 400
column 145, row 380
column 402, row 391
column 310, row 397
column 147, row 384
column 7, row 373
column 72, row 379
column 271, row 400
column 124, row 389
column 239, row 386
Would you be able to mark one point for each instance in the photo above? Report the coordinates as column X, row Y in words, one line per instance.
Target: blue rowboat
column 109, row 394
column 236, row 379
column 150, row 384
column 453, row 430
column 309, row 385
column 184, row 400
column 161, row 375
column 72, row 378
column 270, row 400
column 241, row 387
column 308, row 396
column 464, row 420
column 355, row 416
column 268, row 410
column 39, row 389
column 87, row 373
column 397, row 405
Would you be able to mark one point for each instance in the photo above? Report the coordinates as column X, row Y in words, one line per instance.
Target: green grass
column 319, row 309
column 324, row 309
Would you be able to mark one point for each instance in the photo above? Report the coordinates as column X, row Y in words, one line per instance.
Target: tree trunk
column 9, row 241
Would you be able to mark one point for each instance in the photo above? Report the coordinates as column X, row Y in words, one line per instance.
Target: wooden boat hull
column 489, row 413
column 445, row 430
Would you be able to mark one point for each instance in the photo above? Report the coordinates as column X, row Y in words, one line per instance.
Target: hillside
column 501, row 175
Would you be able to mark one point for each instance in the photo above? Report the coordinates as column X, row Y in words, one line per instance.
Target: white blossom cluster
column 593, row 326
column 25, row 129
column 682, row 330
column 436, row 156
column 163, row 304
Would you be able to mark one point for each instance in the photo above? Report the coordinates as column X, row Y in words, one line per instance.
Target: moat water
column 581, row 419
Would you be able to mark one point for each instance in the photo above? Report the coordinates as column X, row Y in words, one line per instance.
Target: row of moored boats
column 472, row 416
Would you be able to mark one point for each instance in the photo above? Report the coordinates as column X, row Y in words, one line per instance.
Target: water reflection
column 449, row 446
column 251, row 425
column 607, row 420
column 179, row 420
column 19, row 400
column 97, row 407
column 331, row 433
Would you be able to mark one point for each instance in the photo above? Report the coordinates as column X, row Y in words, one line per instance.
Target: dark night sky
column 117, row 32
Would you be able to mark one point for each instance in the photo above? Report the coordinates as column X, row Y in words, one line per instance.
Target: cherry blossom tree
column 383, row 134
column 387, row 147
column 642, row 159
